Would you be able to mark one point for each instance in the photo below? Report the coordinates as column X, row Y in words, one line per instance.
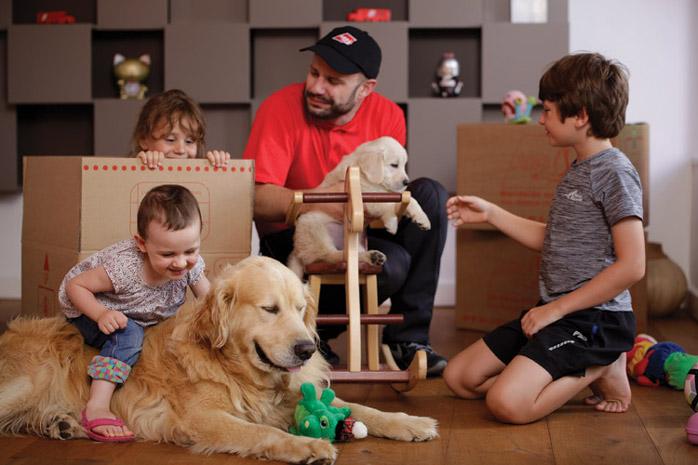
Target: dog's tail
column 295, row 264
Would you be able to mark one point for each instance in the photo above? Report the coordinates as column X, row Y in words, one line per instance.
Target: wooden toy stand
column 352, row 275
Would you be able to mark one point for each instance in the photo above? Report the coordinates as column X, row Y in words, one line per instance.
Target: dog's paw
column 403, row 427
column 63, row 426
column 311, row 451
column 390, row 224
column 376, row 257
column 423, row 222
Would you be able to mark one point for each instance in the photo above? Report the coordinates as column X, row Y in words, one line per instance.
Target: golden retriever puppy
column 224, row 376
column 318, row 236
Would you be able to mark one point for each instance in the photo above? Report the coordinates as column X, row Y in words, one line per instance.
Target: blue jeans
column 122, row 347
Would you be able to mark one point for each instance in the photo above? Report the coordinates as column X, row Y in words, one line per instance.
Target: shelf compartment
column 276, row 59
column 49, row 64
column 285, row 13
column 507, row 61
column 191, row 11
column 114, row 121
column 227, row 127
column 221, row 75
column 119, row 14
column 24, row 11
column 131, row 44
column 426, row 47
column 432, row 136
column 445, row 13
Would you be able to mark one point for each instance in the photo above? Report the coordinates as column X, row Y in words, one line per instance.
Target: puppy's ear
column 211, row 324
column 371, row 165
column 310, row 309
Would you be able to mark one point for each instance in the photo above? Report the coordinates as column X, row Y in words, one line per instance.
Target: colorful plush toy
column 516, row 107
column 689, row 388
column 652, row 363
column 319, row 419
column 130, row 74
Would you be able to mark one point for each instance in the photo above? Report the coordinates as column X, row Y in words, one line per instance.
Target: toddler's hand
column 218, row 158
column 111, row 320
column 538, row 318
column 151, row 159
column 463, row 209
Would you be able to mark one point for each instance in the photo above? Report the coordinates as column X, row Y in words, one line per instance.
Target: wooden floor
column 651, row 432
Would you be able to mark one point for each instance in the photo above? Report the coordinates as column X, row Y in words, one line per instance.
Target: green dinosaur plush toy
column 319, row 419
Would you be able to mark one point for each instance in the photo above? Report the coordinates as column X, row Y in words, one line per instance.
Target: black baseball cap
column 349, row 50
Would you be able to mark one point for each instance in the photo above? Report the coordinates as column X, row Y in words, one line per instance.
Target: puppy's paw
column 423, row 222
column 390, row 224
column 63, row 426
column 376, row 257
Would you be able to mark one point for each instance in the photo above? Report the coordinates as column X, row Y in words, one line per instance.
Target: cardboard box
column 76, row 206
column 498, row 278
column 515, row 167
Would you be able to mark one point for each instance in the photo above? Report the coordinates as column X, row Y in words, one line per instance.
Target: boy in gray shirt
column 592, row 252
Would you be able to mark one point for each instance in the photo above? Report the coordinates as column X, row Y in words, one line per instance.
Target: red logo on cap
column 345, row 38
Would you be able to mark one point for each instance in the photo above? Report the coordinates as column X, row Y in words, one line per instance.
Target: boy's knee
column 505, row 408
column 459, row 383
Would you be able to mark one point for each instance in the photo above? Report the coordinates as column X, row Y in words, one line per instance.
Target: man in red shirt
column 299, row 134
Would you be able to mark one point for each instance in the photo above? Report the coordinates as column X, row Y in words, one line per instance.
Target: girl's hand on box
column 218, row 158
column 151, row 158
column 462, row 209
column 538, row 318
column 111, row 320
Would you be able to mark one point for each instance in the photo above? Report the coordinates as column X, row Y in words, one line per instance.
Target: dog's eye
column 300, row 308
column 273, row 309
column 394, row 165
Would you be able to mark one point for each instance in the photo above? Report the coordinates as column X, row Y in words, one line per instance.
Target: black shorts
column 571, row 344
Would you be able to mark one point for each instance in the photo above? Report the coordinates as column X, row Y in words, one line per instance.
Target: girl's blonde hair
column 172, row 106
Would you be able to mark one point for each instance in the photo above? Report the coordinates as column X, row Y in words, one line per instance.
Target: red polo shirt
column 292, row 151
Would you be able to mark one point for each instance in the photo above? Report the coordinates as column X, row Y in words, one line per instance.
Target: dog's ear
column 371, row 165
column 310, row 309
column 211, row 325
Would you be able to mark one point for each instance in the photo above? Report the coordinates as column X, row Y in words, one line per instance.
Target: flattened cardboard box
column 498, row 278
column 515, row 167
column 76, row 206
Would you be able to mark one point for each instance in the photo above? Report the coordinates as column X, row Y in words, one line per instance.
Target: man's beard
column 334, row 111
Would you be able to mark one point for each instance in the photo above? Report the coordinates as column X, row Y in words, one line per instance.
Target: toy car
column 54, row 17
column 369, row 15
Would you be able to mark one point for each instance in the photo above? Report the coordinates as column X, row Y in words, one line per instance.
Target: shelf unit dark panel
column 118, row 14
column 285, row 13
column 114, row 120
column 188, row 11
column 9, row 181
column 426, row 47
column 227, row 127
column 131, row 44
column 276, row 59
column 445, row 13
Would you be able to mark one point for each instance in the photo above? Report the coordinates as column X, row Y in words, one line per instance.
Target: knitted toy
column 653, row 363
column 319, row 419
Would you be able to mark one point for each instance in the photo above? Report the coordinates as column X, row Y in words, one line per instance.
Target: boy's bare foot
column 611, row 389
column 92, row 413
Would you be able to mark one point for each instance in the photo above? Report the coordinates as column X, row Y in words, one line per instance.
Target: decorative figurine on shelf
column 516, row 107
column 319, row 419
column 130, row 74
column 372, row 15
column 446, row 82
column 54, row 17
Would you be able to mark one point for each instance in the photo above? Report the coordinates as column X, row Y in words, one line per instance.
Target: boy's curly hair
column 592, row 82
column 172, row 205
column 172, row 106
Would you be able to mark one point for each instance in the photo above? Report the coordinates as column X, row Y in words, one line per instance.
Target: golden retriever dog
column 318, row 236
column 221, row 376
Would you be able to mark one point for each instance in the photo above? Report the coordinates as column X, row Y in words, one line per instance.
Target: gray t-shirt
column 593, row 196
column 146, row 305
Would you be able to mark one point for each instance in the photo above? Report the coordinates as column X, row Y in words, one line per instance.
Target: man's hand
column 538, row 318
column 111, row 320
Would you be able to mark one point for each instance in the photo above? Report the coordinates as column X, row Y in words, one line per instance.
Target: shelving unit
column 230, row 55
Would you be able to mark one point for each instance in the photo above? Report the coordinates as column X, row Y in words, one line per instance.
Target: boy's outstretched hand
column 462, row 209
column 538, row 318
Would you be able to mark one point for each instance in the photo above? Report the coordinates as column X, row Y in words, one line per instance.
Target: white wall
column 658, row 41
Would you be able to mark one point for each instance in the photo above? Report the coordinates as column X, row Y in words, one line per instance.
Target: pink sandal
column 89, row 425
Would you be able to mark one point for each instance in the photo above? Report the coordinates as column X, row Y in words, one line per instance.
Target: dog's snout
column 405, row 181
column 304, row 349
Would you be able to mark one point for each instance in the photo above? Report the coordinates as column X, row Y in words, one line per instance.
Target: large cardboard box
column 498, row 278
column 515, row 167
column 75, row 206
